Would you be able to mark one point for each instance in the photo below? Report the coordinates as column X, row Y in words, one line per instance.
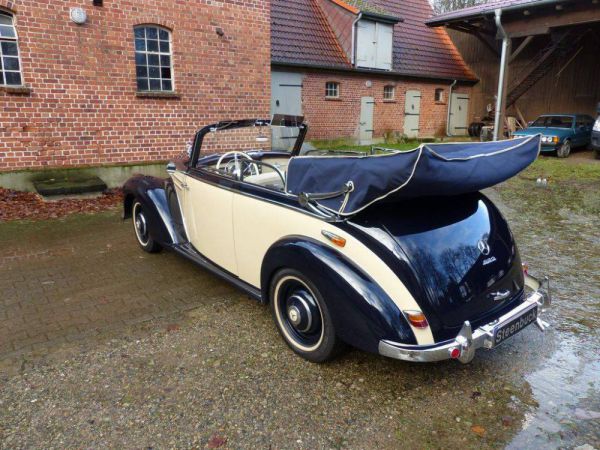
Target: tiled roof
column 366, row 6
column 300, row 34
column 420, row 50
column 485, row 9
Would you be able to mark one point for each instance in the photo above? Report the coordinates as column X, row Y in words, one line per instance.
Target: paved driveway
column 102, row 346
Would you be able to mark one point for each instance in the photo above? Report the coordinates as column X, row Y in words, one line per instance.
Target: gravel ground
column 219, row 376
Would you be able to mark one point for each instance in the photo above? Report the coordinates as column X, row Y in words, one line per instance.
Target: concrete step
column 69, row 185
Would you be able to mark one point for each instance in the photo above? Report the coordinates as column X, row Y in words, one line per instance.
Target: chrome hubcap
column 141, row 228
column 294, row 315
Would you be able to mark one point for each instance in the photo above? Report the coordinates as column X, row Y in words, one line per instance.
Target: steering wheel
column 236, row 169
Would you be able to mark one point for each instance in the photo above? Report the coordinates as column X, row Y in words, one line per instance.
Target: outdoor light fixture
column 220, row 31
column 97, row 3
column 78, row 16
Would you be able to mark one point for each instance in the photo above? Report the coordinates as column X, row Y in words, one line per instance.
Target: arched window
column 153, row 58
column 10, row 67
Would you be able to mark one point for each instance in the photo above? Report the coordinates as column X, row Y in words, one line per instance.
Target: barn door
column 366, row 120
column 286, row 98
column 458, row 114
column 412, row 113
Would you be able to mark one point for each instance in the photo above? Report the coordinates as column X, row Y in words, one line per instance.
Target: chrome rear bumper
column 467, row 341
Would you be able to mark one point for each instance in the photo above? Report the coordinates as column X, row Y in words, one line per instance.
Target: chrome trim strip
column 467, row 340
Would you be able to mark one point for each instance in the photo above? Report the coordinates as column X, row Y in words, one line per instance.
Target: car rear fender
column 361, row 311
column 154, row 193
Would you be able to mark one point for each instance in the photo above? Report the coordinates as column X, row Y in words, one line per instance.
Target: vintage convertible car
column 396, row 252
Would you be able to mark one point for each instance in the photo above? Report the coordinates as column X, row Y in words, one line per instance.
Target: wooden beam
column 521, row 117
column 539, row 22
column 520, row 48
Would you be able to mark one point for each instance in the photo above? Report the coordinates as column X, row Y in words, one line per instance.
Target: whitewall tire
column 302, row 317
column 142, row 232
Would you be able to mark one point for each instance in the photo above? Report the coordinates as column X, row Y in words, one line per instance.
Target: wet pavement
column 102, row 345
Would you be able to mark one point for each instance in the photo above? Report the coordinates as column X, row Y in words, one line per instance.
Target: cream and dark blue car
column 395, row 253
column 561, row 132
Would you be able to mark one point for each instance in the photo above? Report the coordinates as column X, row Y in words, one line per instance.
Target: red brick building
column 130, row 82
column 364, row 69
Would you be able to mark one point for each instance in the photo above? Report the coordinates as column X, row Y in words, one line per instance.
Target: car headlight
column 550, row 139
column 597, row 124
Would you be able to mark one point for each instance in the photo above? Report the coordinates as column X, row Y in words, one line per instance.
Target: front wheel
column 302, row 317
column 564, row 150
column 142, row 233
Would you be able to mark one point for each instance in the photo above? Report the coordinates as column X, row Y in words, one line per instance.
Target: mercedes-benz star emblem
column 483, row 247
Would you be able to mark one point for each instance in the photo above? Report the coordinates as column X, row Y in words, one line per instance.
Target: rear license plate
column 514, row 326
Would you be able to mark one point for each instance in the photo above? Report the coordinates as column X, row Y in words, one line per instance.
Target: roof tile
column 302, row 35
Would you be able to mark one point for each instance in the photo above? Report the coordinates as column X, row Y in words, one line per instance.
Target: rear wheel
column 564, row 150
column 142, row 233
column 302, row 317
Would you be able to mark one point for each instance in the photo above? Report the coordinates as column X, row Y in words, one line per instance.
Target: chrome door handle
column 500, row 295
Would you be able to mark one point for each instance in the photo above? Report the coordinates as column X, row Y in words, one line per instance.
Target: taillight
column 417, row 319
column 525, row 268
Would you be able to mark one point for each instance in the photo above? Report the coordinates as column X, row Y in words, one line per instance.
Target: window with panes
column 10, row 66
column 153, row 59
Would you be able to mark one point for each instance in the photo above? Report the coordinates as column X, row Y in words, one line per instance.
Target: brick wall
column 82, row 107
column 338, row 118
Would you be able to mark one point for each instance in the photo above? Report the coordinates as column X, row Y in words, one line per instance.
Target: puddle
column 565, row 244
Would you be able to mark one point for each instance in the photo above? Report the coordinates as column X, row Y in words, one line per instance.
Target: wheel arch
column 151, row 193
column 361, row 311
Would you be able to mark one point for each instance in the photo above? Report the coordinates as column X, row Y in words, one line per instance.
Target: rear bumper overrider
column 468, row 340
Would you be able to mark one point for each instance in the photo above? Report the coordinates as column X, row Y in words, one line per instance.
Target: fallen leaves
column 17, row 205
column 216, row 441
column 478, row 430
column 172, row 327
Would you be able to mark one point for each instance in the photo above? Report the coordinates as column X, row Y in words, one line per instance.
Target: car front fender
column 151, row 192
column 361, row 311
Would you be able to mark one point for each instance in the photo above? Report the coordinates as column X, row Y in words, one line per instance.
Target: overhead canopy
column 346, row 185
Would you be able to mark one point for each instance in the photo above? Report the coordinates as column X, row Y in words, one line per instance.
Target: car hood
column 455, row 255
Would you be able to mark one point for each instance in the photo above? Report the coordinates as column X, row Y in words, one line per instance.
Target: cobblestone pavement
column 104, row 346
column 62, row 281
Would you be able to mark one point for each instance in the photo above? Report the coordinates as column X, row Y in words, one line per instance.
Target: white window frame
column 389, row 88
column 332, row 86
column 441, row 91
column 14, row 39
column 159, row 53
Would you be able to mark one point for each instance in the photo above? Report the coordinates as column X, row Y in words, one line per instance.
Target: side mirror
column 171, row 167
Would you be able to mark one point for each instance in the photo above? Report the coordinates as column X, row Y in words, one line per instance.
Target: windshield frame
column 289, row 121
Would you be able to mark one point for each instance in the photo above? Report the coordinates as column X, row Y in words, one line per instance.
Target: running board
column 186, row 249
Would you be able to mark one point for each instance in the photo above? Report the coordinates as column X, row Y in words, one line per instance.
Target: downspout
column 448, row 133
column 502, row 76
column 353, row 57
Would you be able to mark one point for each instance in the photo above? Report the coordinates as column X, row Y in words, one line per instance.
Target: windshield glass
column 281, row 133
column 553, row 122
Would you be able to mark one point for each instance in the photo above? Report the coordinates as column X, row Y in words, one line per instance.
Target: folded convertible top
column 346, row 185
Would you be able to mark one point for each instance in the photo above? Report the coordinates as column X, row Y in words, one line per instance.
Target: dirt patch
column 16, row 205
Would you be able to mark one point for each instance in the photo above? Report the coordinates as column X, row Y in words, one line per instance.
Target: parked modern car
column 596, row 135
column 367, row 251
column 561, row 132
